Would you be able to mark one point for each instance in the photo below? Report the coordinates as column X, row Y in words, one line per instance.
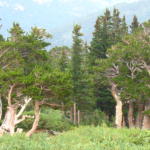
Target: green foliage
column 83, row 138
column 96, row 118
column 109, row 29
column 60, row 57
column 49, row 120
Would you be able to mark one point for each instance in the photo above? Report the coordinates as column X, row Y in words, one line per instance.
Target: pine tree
column 76, row 62
column 134, row 25
column 80, row 77
column 101, row 41
column 95, row 49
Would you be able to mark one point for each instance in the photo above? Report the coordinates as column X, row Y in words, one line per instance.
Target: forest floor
column 82, row 138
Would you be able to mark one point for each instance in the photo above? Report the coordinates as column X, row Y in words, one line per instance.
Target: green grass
column 83, row 138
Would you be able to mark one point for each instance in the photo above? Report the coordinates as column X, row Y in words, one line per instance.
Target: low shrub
column 49, row 119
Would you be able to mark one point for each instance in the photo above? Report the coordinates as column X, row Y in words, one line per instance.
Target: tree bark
column 139, row 117
column 119, row 105
column 146, row 120
column 8, row 124
column 11, row 119
column 130, row 115
column 36, row 120
column 9, row 98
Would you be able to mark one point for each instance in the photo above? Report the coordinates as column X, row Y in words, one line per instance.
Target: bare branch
column 23, row 107
column 23, row 118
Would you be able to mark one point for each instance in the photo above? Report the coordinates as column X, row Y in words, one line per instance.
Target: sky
column 57, row 16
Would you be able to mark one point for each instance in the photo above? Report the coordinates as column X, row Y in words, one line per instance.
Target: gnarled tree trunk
column 146, row 120
column 119, row 105
column 139, row 117
column 130, row 115
column 8, row 125
column 11, row 119
column 36, row 120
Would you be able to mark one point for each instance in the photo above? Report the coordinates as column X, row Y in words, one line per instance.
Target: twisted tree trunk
column 8, row 124
column 11, row 118
column 119, row 105
column 36, row 120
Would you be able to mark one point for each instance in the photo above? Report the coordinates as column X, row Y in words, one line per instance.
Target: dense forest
column 108, row 79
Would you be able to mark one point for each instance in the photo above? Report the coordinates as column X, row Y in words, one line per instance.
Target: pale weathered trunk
column 119, row 105
column 36, row 120
column 130, row 115
column 8, row 125
column 139, row 117
column 11, row 119
column 146, row 120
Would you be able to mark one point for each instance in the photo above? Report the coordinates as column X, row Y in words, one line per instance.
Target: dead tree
column 12, row 118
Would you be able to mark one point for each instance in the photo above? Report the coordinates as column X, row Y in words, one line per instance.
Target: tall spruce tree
column 100, row 41
column 76, row 62
column 80, row 78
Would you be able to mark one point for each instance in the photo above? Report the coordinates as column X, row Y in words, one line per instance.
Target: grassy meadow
column 82, row 138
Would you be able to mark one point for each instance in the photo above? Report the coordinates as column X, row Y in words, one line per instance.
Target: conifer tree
column 76, row 62
column 101, row 41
